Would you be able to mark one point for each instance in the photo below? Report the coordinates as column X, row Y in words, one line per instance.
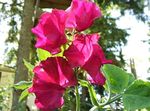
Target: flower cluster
column 55, row 74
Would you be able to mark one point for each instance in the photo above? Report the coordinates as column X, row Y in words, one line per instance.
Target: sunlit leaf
column 137, row 95
column 28, row 65
column 43, row 54
column 116, row 78
column 22, row 85
column 23, row 95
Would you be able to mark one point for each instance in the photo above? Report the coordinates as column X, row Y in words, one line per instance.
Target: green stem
column 93, row 108
column 108, row 102
column 92, row 95
column 108, row 99
column 109, row 91
column 114, row 99
column 77, row 99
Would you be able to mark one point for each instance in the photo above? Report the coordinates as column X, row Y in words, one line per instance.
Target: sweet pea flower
column 81, row 49
column 93, row 65
column 57, row 71
column 50, row 31
column 86, row 53
column 48, row 96
column 51, row 78
column 81, row 14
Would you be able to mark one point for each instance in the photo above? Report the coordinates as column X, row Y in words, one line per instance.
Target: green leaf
column 28, row 66
column 137, row 95
column 23, row 95
column 131, row 78
column 22, row 85
column 148, row 109
column 43, row 54
column 116, row 78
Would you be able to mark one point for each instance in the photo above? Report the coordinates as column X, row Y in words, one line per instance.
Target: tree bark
column 23, row 51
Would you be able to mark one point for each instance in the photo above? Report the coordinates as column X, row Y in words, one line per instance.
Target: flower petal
column 96, row 79
column 81, row 14
column 93, row 65
column 56, row 70
column 81, row 49
column 48, row 96
column 50, row 31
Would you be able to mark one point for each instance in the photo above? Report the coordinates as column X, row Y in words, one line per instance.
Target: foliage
column 135, row 7
column 115, row 76
column 137, row 95
column 4, row 98
column 12, row 13
column 23, row 85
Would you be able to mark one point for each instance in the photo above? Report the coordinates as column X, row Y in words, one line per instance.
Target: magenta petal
column 81, row 49
column 81, row 14
column 96, row 60
column 96, row 79
column 75, row 58
column 57, row 71
column 93, row 65
column 48, row 96
column 50, row 31
column 71, row 22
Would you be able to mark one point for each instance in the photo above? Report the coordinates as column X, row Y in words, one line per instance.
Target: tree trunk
column 23, row 51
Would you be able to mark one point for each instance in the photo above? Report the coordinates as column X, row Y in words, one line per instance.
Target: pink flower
column 50, row 31
column 96, row 79
column 48, row 95
column 86, row 53
column 81, row 14
column 93, row 65
column 81, row 49
column 56, row 70
column 51, row 78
